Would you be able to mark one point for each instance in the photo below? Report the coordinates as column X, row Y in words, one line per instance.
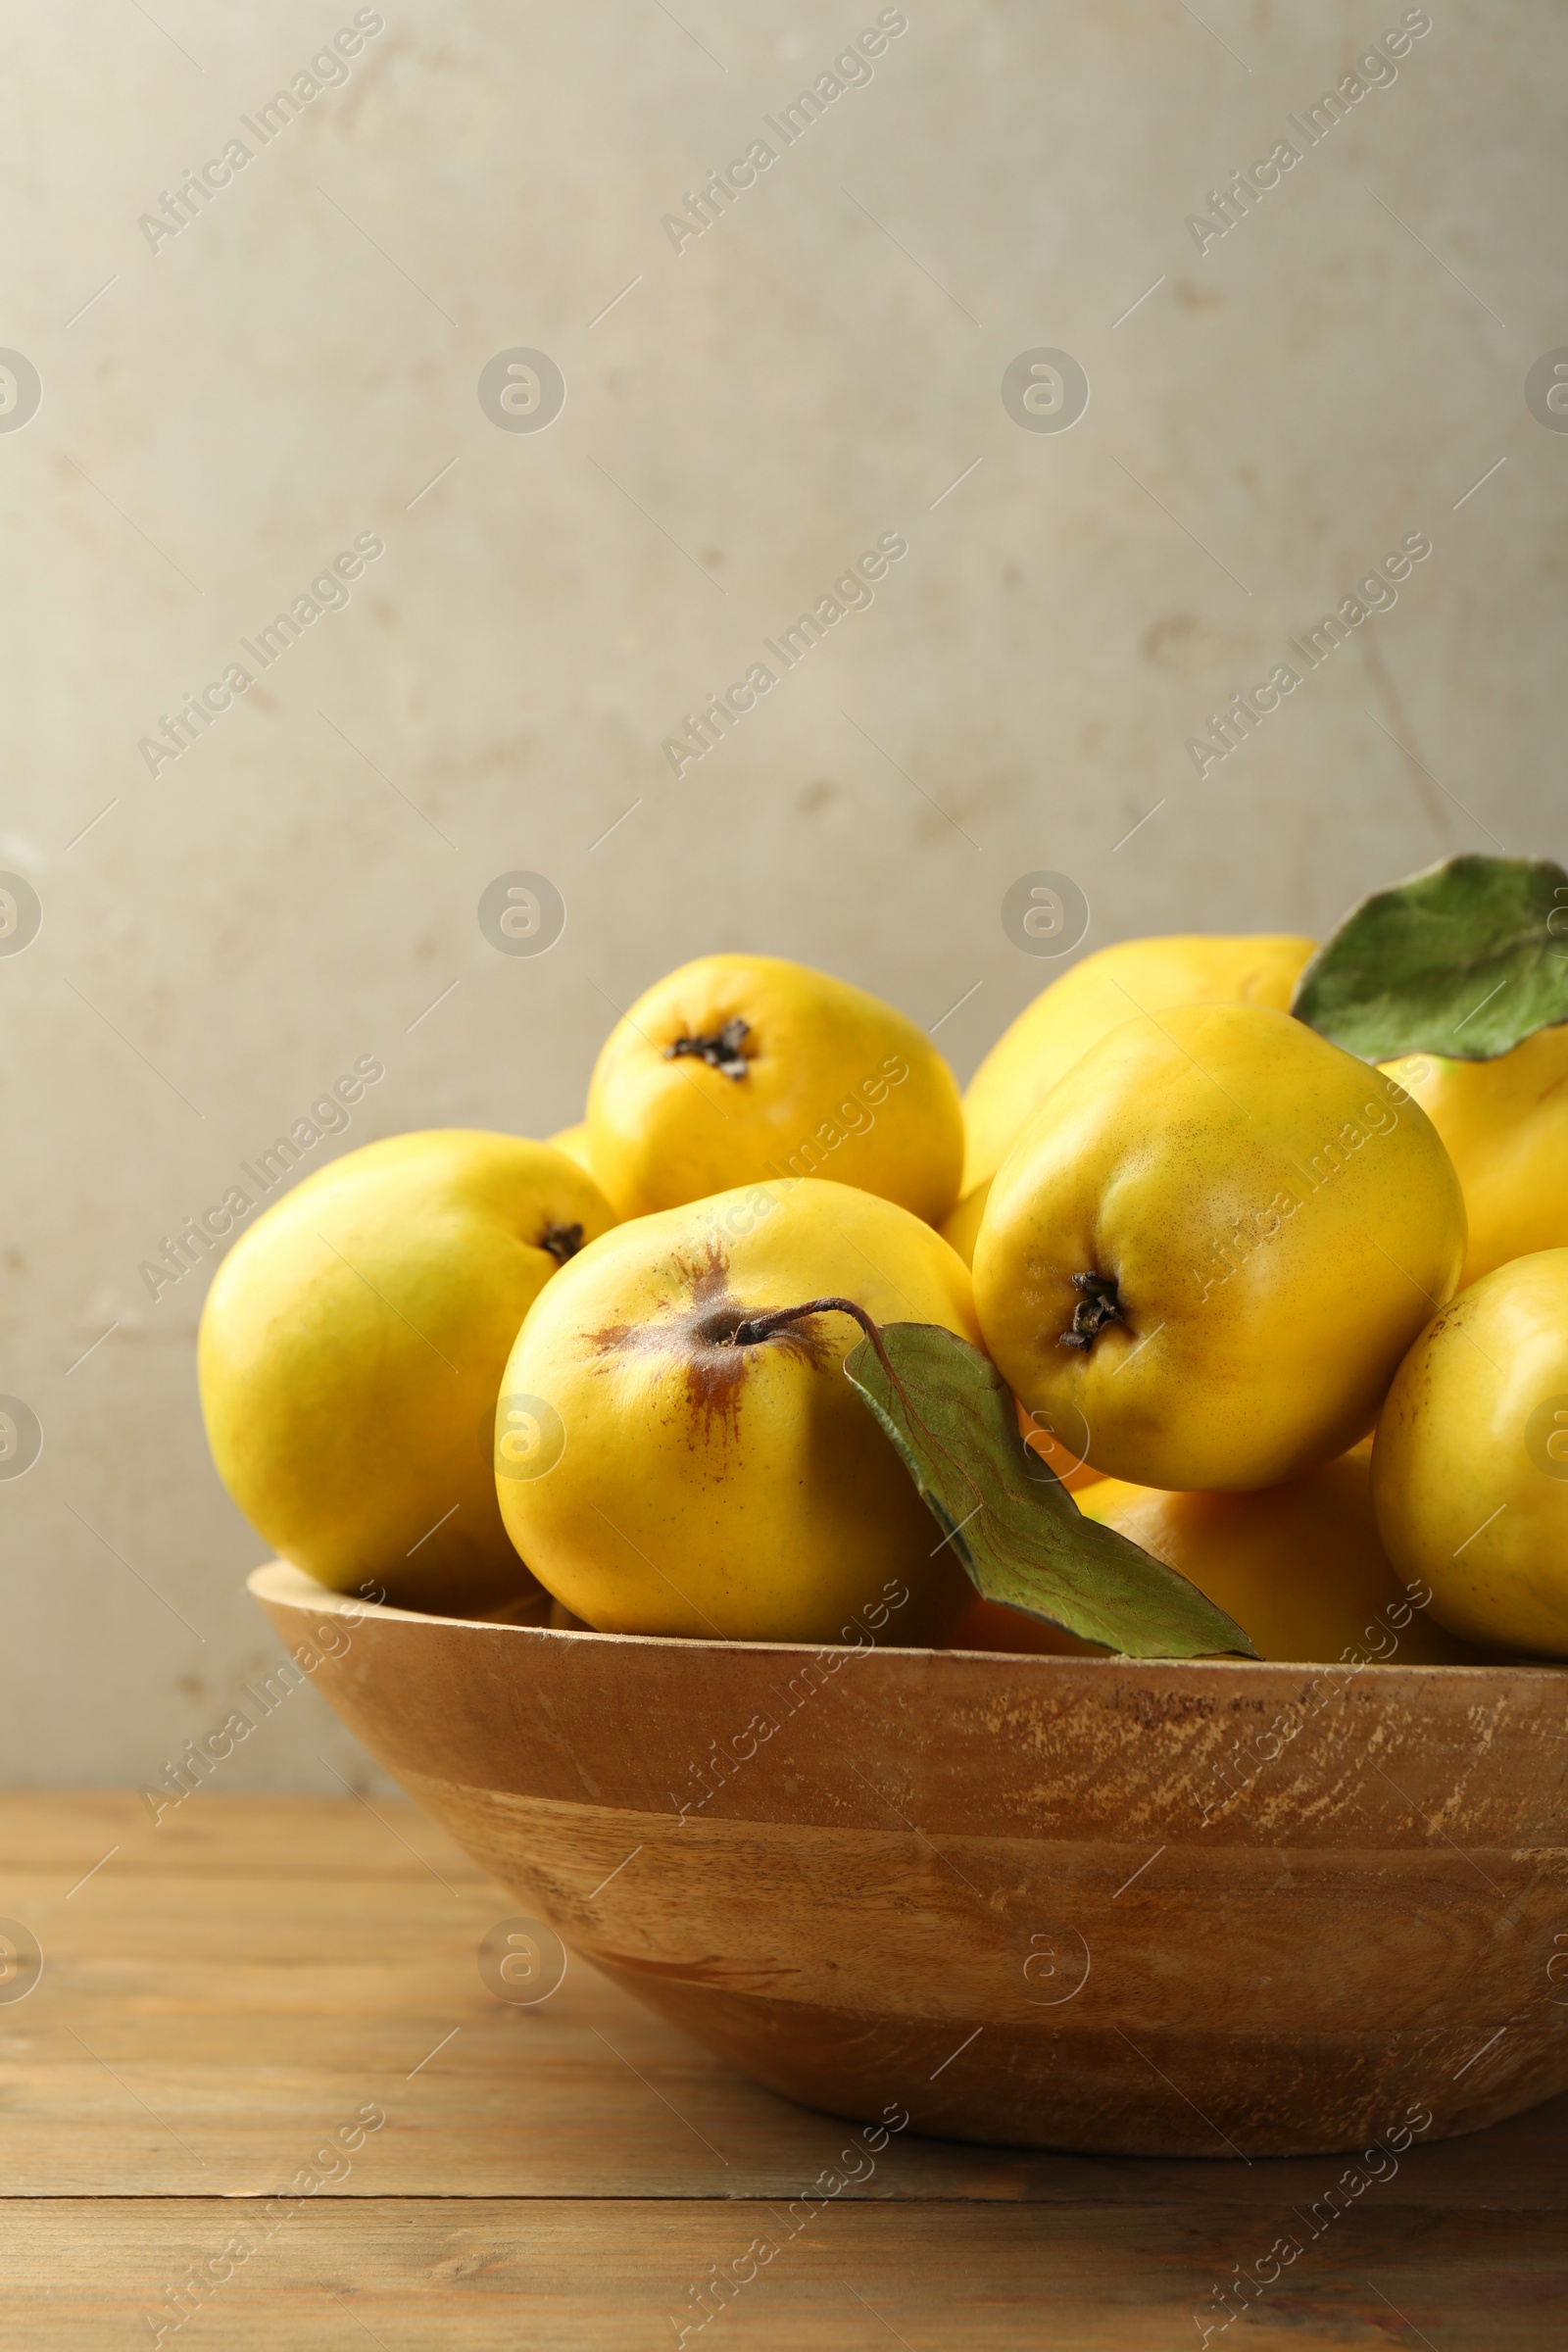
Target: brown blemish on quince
column 699, row 1331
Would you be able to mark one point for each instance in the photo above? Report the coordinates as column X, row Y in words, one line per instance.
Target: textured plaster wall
column 299, row 366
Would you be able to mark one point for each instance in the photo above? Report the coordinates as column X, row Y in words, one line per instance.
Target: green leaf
column 1012, row 1523
column 1467, row 960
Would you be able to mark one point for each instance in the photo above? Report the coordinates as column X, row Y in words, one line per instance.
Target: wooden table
column 229, row 1999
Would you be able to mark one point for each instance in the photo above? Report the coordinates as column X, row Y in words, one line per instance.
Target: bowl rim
column 281, row 1582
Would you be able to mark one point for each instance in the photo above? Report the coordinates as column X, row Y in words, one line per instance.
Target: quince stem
column 756, row 1328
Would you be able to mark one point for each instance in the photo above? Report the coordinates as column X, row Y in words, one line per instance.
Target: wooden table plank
column 539, row 2107
column 550, row 2273
column 235, row 1985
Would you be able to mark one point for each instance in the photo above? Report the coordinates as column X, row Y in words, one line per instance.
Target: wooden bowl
column 1201, row 1909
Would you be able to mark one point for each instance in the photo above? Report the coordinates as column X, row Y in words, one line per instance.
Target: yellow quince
column 737, row 1069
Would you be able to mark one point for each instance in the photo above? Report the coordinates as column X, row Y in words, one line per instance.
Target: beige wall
column 296, row 366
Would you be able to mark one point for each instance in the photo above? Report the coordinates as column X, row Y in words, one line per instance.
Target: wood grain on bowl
column 1209, row 1908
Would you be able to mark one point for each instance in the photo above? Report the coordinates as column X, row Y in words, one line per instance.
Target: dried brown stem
column 756, row 1328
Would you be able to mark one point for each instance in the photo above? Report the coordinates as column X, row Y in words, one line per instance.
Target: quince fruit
column 960, row 1228
column 1505, row 1125
column 1470, row 1464
column 573, row 1141
column 741, row 1068
column 665, row 1468
column 1299, row 1566
column 352, row 1345
column 1210, row 1247
column 1108, row 988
